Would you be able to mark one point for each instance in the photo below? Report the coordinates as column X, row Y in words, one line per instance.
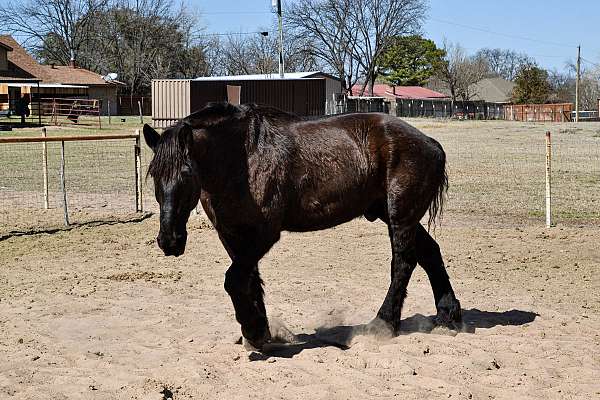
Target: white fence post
column 139, row 198
column 548, row 180
column 45, row 169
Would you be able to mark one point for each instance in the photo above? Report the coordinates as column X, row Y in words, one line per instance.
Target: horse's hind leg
column 404, row 260
column 430, row 258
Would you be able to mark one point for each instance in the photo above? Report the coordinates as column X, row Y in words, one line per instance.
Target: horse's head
column 176, row 183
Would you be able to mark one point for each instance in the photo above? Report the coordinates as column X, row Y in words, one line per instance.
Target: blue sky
column 555, row 27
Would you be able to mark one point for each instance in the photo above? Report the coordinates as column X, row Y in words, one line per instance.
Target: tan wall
column 170, row 101
column 105, row 93
column 3, row 60
column 3, row 96
column 332, row 87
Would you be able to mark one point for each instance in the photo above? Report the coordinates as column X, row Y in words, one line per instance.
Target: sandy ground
column 99, row 313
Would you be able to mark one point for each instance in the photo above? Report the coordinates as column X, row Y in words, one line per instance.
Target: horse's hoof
column 257, row 343
column 449, row 312
column 252, row 346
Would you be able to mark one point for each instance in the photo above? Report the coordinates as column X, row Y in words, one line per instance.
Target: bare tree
column 505, row 63
column 67, row 22
column 329, row 28
column 348, row 36
column 378, row 21
column 243, row 55
column 562, row 85
column 259, row 54
column 589, row 86
column 145, row 39
column 458, row 72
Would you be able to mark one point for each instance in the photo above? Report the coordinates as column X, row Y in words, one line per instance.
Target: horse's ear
column 151, row 136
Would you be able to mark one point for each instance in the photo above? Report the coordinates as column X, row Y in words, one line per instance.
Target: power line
column 502, row 34
column 233, row 33
column 590, row 62
column 234, row 12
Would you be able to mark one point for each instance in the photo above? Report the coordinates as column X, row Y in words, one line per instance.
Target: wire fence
column 101, row 180
column 496, row 168
column 497, row 171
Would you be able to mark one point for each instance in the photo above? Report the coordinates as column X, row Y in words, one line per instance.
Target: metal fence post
column 141, row 115
column 548, row 180
column 139, row 205
column 62, row 182
column 45, row 169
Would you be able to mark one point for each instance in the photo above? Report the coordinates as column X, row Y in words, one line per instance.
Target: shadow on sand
column 341, row 336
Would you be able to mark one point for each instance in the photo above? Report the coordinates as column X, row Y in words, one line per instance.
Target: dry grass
column 497, row 169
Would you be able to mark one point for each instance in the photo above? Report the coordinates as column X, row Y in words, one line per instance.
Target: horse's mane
column 218, row 112
column 172, row 153
column 172, row 150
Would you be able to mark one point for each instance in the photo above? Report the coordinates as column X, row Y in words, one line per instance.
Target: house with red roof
column 400, row 92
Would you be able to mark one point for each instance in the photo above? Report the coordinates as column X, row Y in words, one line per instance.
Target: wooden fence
column 128, row 105
column 539, row 112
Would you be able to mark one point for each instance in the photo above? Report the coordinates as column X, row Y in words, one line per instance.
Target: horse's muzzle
column 172, row 245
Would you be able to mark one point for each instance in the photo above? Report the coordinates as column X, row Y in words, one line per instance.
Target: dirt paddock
column 99, row 313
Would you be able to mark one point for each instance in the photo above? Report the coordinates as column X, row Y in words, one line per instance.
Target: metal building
column 304, row 94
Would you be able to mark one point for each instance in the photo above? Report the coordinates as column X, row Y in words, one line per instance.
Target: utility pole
column 277, row 4
column 577, row 83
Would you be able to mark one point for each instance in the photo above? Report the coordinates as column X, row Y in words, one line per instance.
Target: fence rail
column 80, row 138
column 448, row 109
column 425, row 108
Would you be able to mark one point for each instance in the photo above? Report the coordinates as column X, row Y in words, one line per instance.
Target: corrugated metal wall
column 170, row 101
column 173, row 99
column 300, row 96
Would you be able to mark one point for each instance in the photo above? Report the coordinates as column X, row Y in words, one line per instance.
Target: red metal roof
column 400, row 92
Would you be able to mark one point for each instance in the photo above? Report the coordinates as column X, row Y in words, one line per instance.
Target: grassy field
column 496, row 171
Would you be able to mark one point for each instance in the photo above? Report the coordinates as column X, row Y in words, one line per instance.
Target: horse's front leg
column 244, row 286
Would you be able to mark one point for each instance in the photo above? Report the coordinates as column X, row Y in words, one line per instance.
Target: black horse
column 258, row 171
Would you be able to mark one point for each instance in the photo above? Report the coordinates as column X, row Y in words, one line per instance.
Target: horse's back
column 340, row 166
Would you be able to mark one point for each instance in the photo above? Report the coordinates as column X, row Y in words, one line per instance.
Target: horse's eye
column 186, row 172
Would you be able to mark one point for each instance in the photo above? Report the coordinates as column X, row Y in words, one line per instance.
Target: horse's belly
column 315, row 213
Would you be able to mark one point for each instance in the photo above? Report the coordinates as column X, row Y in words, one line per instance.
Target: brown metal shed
column 173, row 99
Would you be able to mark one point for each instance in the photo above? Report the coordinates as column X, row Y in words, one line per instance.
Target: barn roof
column 253, row 77
column 72, row 76
column 493, row 90
column 401, row 92
column 21, row 66
column 24, row 67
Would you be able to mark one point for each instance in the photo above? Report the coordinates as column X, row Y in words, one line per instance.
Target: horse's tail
column 436, row 207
